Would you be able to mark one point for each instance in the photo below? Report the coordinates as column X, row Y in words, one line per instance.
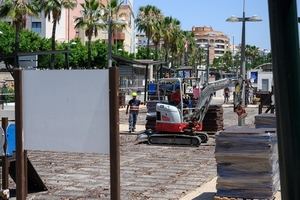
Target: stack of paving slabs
column 247, row 163
column 213, row 120
column 265, row 120
column 151, row 115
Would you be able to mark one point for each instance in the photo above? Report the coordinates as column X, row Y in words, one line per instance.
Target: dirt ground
column 147, row 172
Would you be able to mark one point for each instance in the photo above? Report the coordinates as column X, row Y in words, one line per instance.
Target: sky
column 214, row 13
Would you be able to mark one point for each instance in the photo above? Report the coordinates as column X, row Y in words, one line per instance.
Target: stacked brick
column 247, row 163
column 265, row 120
column 213, row 120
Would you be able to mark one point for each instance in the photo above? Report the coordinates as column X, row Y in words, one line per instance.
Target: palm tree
column 16, row 10
column 252, row 54
column 146, row 19
column 189, row 50
column 157, row 35
column 112, row 10
column 91, row 22
column 53, row 10
column 177, row 46
column 170, row 26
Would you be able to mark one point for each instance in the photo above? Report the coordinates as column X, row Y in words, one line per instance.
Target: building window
column 219, row 41
column 219, row 52
column 36, row 27
column 220, row 46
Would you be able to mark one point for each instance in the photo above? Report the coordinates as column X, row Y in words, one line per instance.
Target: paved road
column 147, row 172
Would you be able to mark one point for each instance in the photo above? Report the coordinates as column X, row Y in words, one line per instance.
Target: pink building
column 65, row 30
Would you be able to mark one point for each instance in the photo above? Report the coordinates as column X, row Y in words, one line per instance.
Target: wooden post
column 114, row 133
column 26, row 172
column 20, row 166
column 5, row 163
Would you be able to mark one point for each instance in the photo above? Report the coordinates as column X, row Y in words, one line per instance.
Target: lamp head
column 233, row 19
column 255, row 18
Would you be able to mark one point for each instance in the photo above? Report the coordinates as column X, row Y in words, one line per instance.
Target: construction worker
column 133, row 106
column 176, row 96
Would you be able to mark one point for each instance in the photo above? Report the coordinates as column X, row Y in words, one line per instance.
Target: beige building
column 217, row 41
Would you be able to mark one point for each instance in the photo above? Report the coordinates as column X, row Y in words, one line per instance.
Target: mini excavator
column 181, row 124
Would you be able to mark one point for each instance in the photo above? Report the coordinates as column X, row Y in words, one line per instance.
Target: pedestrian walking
column 133, row 106
column 226, row 94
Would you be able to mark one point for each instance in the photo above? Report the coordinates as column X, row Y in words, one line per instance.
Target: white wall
column 66, row 110
column 265, row 75
column 61, row 34
column 262, row 75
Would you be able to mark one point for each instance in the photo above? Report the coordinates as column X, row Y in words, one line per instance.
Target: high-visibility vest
column 134, row 105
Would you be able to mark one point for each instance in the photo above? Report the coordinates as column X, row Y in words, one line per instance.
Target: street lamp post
column 207, row 61
column 243, row 19
column 109, row 37
column 207, row 64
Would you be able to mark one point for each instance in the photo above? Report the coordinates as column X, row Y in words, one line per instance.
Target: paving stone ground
column 147, row 172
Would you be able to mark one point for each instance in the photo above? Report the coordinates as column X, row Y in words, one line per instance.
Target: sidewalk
column 208, row 190
column 220, row 101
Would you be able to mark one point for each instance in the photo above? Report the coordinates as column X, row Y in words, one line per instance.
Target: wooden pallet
column 234, row 198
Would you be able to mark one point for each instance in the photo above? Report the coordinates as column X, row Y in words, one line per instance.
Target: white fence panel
column 66, row 110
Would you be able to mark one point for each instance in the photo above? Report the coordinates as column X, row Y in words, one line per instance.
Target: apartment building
column 216, row 41
column 66, row 31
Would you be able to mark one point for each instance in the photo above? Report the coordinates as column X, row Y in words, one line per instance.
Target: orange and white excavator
column 180, row 123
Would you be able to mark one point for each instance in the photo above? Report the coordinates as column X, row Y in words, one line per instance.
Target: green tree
column 177, row 47
column 142, row 53
column 157, row 33
column 53, row 10
column 17, row 10
column 78, row 55
column 147, row 18
column 90, row 21
column 100, row 54
column 6, row 39
column 171, row 26
column 252, row 55
column 225, row 62
column 29, row 41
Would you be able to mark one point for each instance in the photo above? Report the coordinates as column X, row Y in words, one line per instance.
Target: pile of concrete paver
column 265, row 120
column 247, row 163
column 213, row 120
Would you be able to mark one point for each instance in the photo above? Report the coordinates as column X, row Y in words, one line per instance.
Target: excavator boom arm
column 206, row 96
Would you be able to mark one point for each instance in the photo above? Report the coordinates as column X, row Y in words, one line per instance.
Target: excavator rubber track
column 203, row 136
column 174, row 139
